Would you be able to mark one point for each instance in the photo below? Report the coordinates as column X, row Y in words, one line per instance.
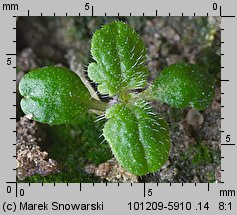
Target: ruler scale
column 114, row 198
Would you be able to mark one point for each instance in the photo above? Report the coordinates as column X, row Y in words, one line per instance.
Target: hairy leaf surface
column 119, row 55
column 182, row 85
column 53, row 95
column 138, row 137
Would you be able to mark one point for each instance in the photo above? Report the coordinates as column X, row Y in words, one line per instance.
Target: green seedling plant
column 138, row 136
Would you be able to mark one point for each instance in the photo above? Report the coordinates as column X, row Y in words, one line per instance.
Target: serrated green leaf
column 138, row 137
column 183, row 85
column 120, row 55
column 53, row 95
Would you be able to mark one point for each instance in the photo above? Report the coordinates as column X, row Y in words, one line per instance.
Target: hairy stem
column 144, row 95
column 97, row 105
column 78, row 69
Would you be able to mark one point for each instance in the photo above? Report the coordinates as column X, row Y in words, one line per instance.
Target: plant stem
column 145, row 95
column 97, row 105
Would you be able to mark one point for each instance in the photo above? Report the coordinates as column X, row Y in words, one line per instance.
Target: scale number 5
column 87, row 6
column 9, row 61
column 149, row 192
column 227, row 138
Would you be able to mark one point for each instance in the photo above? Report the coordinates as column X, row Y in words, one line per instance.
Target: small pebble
column 194, row 118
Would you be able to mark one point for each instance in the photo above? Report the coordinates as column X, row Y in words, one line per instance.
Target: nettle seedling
column 138, row 136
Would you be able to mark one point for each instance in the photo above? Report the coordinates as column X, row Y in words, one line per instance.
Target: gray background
column 116, row 197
